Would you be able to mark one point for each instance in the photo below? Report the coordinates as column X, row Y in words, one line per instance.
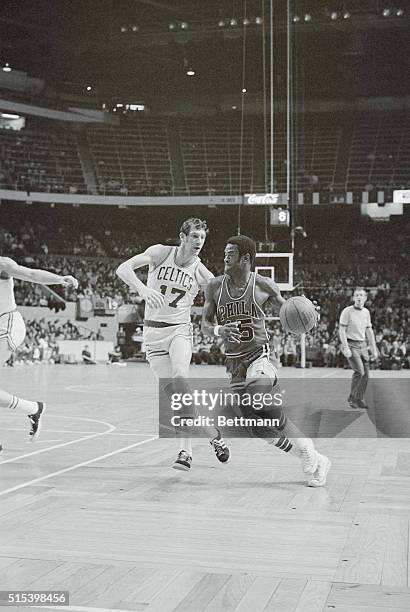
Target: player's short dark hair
column 193, row 223
column 245, row 245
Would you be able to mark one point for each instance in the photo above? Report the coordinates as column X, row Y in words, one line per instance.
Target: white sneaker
column 308, row 455
column 183, row 461
column 319, row 477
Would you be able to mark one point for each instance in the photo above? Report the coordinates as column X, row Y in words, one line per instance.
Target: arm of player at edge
column 372, row 342
column 343, row 339
column 10, row 268
column 229, row 331
column 125, row 271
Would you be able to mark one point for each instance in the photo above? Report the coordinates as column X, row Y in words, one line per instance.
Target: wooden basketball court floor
column 93, row 507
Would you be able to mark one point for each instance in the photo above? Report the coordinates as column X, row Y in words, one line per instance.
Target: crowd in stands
column 41, row 342
column 43, row 159
column 373, row 257
column 210, row 156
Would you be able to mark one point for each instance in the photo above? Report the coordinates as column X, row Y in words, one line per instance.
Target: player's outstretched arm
column 33, row 275
column 372, row 342
column 343, row 323
column 151, row 257
column 229, row 331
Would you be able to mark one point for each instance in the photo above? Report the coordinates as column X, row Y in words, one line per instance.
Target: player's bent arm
column 151, row 257
column 229, row 331
column 34, row 275
column 268, row 286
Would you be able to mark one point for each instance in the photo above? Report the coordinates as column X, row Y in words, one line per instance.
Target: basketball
column 298, row 315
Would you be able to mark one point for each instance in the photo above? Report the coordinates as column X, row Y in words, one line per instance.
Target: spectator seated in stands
column 86, row 355
column 114, row 356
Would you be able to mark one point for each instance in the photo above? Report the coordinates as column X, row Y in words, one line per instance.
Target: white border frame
column 282, row 286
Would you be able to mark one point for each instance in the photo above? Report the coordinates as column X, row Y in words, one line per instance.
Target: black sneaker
column 183, row 461
column 35, row 420
column 353, row 404
column 221, row 450
column 360, row 403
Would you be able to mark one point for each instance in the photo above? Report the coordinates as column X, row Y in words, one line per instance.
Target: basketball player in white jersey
column 175, row 275
column 235, row 300
column 13, row 330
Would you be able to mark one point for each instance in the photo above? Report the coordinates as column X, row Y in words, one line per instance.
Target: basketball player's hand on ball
column 347, row 352
column 153, row 298
column 230, row 332
column 70, row 281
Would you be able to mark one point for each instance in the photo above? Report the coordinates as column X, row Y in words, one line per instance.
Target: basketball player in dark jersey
column 235, row 300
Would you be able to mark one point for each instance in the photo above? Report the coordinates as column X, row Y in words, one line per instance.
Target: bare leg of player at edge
column 175, row 366
column 290, row 440
column 32, row 409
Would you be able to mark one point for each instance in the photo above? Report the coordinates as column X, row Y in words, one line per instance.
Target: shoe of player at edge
column 35, row 420
column 309, row 456
column 319, row 477
column 183, row 461
column 222, row 452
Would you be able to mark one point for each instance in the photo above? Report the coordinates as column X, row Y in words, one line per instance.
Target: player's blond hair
column 193, row 223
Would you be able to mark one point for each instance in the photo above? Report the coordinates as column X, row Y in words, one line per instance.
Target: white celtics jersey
column 178, row 285
column 7, row 302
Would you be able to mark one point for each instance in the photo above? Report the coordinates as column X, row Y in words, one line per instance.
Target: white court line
column 112, row 433
column 329, row 374
column 45, row 450
column 75, row 467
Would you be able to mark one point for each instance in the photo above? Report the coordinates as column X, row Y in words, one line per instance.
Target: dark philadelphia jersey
column 247, row 312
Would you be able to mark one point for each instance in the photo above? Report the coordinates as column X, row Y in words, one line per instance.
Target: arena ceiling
column 143, row 48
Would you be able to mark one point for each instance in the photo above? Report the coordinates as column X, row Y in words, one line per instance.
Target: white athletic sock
column 26, row 405
column 186, row 445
